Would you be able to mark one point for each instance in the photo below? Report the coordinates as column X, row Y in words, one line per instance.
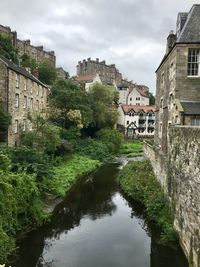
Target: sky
column 129, row 33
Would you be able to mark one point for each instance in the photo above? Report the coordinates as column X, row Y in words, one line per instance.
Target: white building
column 123, row 91
column 137, row 120
column 88, row 80
column 137, row 97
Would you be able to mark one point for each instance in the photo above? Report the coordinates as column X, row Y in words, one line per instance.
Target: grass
column 138, row 182
column 132, row 149
column 66, row 174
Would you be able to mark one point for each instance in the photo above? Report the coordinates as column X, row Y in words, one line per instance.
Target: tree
column 104, row 99
column 67, row 98
column 44, row 137
column 151, row 99
column 5, row 120
column 7, row 49
column 47, row 72
column 28, row 62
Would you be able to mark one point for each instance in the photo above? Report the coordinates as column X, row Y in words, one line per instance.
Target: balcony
column 142, row 125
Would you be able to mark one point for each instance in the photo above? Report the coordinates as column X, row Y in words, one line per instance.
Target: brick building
column 21, row 94
column 178, row 78
column 25, row 47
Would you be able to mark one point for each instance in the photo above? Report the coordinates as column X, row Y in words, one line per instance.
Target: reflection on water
column 96, row 227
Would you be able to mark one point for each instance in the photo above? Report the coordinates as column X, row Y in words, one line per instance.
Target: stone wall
column 179, row 174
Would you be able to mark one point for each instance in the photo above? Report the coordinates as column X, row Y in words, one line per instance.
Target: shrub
column 138, row 182
column 92, row 148
column 112, row 138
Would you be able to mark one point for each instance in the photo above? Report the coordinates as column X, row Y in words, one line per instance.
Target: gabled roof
column 191, row 107
column 20, row 70
column 140, row 91
column 190, row 32
column 146, row 109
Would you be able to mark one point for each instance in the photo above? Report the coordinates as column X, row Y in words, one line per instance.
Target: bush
column 112, row 138
column 20, row 207
column 31, row 161
column 138, row 182
column 93, row 149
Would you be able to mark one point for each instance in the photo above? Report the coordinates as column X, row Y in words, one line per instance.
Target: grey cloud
column 130, row 33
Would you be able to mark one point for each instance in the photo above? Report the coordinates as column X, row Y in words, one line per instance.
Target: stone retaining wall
column 179, row 175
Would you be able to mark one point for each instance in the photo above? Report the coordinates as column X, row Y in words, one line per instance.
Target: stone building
column 25, row 47
column 87, row 81
column 107, row 73
column 178, row 78
column 21, row 94
column 137, row 121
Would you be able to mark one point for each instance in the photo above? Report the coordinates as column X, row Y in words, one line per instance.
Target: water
column 96, row 226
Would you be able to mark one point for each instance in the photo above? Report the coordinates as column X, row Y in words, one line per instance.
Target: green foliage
column 151, row 99
column 7, row 49
column 138, row 182
column 67, row 173
column 111, row 138
column 44, row 137
column 20, row 207
column 132, row 149
column 47, row 72
column 28, row 62
column 104, row 99
column 5, row 162
column 5, row 119
column 92, row 148
column 67, row 96
column 31, row 161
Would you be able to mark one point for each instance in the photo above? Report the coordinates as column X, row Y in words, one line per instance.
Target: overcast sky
column 130, row 33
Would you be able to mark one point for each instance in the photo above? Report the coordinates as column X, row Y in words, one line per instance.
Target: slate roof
column 146, row 109
column 190, row 32
column 20, row 70
column 191, row 107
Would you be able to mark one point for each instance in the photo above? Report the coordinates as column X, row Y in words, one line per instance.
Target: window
column 137, row 98
column 38, row 89
column 16, row 126
column 42, row 89
column 37, row 105
column 196, row 122
column 127, row 122
column 25, row 84
column 193, row 62
column 161, row 103
column 17, row 80
column 25, row 102
column 16, row 100
column 24, row 125
column 130, row 98
column 31, row 103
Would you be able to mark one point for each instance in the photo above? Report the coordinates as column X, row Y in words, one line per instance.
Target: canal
column 96, row 226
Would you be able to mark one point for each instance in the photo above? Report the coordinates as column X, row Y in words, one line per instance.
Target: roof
column 191, row 29
column 20, row 70
column 190, row 32
column 140, row 91
column 146, row 109
column 191, row 107
column 85, row 78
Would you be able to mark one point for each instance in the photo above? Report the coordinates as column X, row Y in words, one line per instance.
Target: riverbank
column 138, row 182
column 23, row 207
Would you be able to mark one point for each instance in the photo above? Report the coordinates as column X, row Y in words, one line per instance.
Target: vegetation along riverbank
column 138, row 182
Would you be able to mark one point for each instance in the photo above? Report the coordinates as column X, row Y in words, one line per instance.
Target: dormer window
column 194, row 62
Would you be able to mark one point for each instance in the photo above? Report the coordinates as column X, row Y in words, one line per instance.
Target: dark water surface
column 96, row 227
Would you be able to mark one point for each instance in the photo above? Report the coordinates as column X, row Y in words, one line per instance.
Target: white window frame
column 193, row 59
column 17, row 100
column 16, row 126
column 25, row 102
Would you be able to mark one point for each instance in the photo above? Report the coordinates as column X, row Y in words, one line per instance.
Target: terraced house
column 21, row 94
column 178, row 78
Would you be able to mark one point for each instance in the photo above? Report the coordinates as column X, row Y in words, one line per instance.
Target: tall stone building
column 21, row 94
column 178, row 78
column 107, row 73
column 25, row 47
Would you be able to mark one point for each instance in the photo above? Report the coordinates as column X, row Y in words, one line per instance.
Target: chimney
column 28, row 42
column 97, row 59
column 171, row 39
column 89, row 59
column 36, row 73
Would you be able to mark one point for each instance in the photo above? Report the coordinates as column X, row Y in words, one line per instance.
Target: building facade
column 25, row 47
column 137, row 121
column 178, row 78
column 21, row 95
column 107, row 73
